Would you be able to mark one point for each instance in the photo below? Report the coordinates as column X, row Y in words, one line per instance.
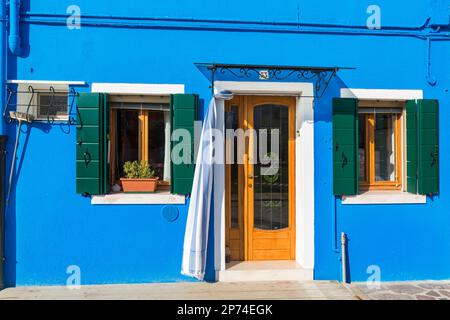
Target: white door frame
column 304, row 168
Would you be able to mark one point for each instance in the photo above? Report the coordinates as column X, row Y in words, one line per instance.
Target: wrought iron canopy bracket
column 321, row 76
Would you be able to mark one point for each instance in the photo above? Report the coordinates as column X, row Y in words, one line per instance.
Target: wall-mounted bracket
column 31, row 107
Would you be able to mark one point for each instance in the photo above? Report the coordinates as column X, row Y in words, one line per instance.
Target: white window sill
column 385, row 197
column 138, row 198
column 52, row 119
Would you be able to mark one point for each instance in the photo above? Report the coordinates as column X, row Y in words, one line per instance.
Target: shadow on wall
column 10, row 208
column 25, row 30
column 324, row 105
column 327, row 226
column 210, row 272
column 26, row 132
column 10, row 216
column 348, row 273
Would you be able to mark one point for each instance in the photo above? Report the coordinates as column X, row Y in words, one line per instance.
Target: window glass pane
column 384, row 147
column 57, row 108
column 127, row 138
column 233, row 124
column 156, row 141
column 362, row 147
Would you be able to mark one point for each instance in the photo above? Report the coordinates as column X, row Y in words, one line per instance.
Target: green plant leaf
column 138, row 170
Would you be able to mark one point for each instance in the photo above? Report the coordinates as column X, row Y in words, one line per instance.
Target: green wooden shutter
column 92, row 162
column 428, row 155
column 106, row 179
column 183, row 113
column 345, row 146
column 422, row 132
column 411, row 146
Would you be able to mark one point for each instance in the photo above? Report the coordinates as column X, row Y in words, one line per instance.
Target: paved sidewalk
column 423, row 290
column 311, row 290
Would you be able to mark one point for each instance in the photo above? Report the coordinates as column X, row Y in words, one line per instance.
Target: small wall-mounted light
column 224, row 95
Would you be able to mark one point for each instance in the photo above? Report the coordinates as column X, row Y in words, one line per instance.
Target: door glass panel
column 271, row 196
column 232, row 123
column 384, row 148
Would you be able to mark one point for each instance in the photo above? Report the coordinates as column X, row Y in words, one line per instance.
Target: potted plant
column 139, row 177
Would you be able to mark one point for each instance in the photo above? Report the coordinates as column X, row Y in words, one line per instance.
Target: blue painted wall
column 49, row 227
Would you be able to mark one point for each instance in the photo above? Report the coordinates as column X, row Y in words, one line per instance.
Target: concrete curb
column 356, row 291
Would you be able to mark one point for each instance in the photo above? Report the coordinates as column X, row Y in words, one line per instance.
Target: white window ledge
column 138, row 88
column 138, row 198
column 385, row 197
column 47, row 82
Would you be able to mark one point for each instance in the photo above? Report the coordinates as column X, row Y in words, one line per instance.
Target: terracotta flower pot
column 139, row 185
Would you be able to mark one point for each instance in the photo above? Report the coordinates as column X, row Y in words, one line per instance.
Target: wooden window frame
column 143, row 135
column 372, row 184
column 143, row 142
column 234, row 237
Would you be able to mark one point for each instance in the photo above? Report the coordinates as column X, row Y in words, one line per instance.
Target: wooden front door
column 260, row 189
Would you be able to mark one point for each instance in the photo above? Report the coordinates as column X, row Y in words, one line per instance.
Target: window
column 111, row 131
column 52, row 106
column 379, row 149
column 140, row 131
column 375, row 142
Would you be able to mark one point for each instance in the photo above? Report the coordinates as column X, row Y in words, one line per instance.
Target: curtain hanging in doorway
column 197, row 226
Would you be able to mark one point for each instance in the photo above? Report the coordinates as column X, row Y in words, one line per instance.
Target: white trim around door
column 304, row 166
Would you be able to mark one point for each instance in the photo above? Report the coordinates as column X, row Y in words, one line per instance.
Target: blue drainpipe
column 14, row 39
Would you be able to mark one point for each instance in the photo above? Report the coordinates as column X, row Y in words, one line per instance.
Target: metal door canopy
column 321, row 76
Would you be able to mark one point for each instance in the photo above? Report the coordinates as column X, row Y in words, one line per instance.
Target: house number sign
column 264, row 75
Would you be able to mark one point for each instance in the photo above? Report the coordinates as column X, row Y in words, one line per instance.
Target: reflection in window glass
column 384, row 148
column 56, row 106
column 156, row 141
column 362, row 147
column 127, row 138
